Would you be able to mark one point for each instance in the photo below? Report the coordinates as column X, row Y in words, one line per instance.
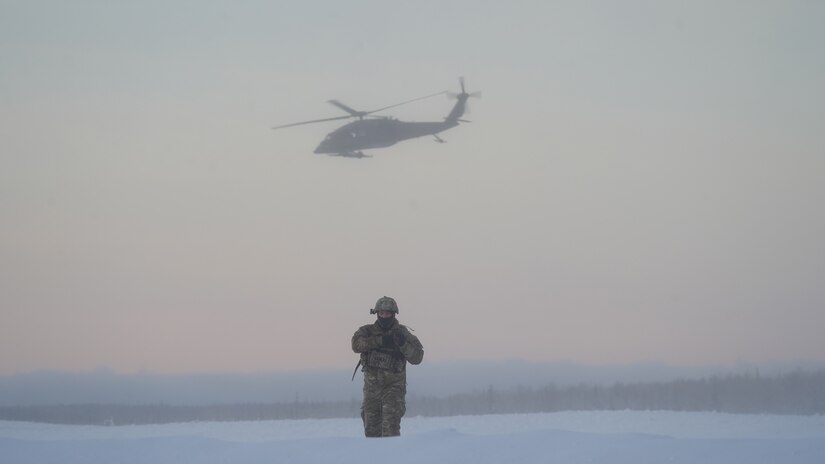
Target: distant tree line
column 799, row 392
column 120, row 414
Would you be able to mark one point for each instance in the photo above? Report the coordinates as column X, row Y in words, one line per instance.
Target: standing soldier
column 385, row 347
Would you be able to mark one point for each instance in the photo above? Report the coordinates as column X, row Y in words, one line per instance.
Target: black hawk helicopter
column 369, row 131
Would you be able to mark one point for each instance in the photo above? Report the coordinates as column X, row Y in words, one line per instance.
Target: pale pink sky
column 640, row 182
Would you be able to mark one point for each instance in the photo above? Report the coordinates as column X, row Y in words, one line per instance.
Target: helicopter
column 368, row 131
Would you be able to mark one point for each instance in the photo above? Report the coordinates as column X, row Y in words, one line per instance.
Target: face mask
column 385, row 322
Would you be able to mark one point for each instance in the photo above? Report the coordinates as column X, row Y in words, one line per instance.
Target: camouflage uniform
column 385, row 375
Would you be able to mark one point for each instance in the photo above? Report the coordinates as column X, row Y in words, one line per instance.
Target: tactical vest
column 384, row 359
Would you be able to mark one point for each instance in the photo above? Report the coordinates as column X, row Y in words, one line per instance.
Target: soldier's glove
column 399, row 338
column 388, row 341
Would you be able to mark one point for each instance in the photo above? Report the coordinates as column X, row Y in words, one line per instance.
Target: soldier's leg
column 371, row 415
column 393, row 408
column 371, row 410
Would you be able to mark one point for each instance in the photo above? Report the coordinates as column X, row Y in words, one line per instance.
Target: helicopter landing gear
column 439, row 139
column 352, row 154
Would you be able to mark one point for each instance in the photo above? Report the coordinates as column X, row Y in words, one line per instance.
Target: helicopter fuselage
column 377, row 133
column 366, row 133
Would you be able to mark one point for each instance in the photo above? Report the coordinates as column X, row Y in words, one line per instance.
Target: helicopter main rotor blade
column 405, row 102
column 352, row 112
column 310, row 122
column 357, row 114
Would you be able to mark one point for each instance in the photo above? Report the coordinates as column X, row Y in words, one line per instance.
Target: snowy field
column 569, row 437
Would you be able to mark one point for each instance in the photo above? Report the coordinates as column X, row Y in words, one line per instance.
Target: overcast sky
column 641, row 181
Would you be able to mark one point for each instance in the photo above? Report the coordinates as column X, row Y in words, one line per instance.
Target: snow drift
column 599, row 437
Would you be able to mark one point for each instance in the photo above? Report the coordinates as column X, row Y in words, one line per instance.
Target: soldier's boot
column 391, row 427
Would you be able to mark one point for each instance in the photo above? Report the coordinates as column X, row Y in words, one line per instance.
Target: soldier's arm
column 362, row 341
column 413, row 351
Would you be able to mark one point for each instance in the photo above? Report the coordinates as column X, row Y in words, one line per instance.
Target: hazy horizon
column 437, row 379
column 641, row 180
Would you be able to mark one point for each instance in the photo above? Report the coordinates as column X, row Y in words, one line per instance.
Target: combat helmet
column 385, row 303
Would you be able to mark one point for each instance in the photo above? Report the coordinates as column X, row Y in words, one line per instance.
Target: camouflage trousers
column 384, row 402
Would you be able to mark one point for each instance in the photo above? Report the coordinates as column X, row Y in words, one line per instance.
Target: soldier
column 385, row 347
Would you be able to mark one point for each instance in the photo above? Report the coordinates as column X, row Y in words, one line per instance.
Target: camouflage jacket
column 367, row 341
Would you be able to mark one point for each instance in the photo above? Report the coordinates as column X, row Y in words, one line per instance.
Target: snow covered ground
column 568, row 437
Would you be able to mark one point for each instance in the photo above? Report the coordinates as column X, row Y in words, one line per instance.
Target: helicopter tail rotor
column 461, row 105
column 463, row 91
